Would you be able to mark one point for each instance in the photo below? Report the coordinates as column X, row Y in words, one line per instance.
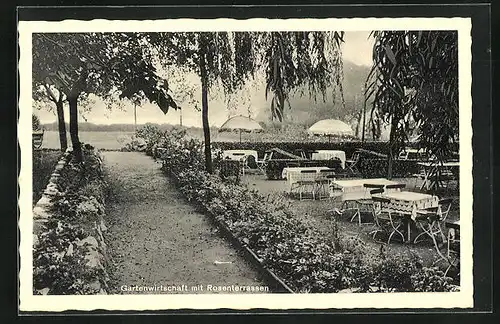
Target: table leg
column 408, row 233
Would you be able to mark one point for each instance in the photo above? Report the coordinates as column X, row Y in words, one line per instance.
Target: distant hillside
column 307, row 111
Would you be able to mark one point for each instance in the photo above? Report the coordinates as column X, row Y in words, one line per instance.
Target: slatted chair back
column 304, row 176
column 396, row 186
column 251, row 162
column 377, row 191
column 381, row 199
column 374, row 186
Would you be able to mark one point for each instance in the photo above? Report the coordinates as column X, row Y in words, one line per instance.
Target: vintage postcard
column 239, row 164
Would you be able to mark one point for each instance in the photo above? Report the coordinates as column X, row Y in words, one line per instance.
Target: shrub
column 61, row 252
column 375, row 168
column 151, row 134
column 36, row 123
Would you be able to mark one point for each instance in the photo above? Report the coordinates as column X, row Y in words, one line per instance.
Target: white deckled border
column 462, row 299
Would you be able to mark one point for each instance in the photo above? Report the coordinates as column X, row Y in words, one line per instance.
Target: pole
column 135, row 117
column 240, row 135
column 364, row 114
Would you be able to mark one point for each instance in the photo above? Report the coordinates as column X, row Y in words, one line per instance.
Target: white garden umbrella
column 330, row 127
column 241, row 123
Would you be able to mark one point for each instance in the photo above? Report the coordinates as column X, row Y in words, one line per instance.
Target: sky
column 357, row 49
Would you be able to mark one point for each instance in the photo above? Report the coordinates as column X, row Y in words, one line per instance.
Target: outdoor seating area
column 400, row 211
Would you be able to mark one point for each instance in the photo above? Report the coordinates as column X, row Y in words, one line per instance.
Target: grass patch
column 44, row 162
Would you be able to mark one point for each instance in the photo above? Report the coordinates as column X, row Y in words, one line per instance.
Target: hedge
column 348, row 146
column 262, row 147
column 377, row 168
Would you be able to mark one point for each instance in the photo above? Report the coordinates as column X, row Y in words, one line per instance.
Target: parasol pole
column 135, row 117
column 240, row 135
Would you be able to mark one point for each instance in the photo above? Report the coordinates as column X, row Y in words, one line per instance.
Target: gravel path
column 155, row 238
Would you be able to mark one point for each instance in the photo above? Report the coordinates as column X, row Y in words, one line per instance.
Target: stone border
column 95, row 245
column 41, row 211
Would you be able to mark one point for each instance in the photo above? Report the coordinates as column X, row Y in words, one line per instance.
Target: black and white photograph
column 259, row 163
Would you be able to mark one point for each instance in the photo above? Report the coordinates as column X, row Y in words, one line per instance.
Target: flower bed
column 69, row 249
column 294, row 251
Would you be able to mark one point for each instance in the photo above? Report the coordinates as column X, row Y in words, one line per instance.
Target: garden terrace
column 307, row 247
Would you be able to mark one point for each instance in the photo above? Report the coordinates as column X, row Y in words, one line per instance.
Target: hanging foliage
column 295, row 59
column 415, row 86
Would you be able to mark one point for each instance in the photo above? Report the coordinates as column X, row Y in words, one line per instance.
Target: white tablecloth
column 410, row 202
column 328, row 155
column 294, row 175
column 291, row 170
column 237, row 155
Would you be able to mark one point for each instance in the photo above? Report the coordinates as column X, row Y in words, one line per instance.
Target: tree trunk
column 206, row 128
column 390, row 157
column 73, row 128
column 62, row 125
column 364, row 122
column 204, row 108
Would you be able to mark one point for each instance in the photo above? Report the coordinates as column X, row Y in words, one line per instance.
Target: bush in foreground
column 68, row 255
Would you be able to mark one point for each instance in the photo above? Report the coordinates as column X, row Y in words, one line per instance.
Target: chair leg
column 396, row 230
column 440, row 231
column 424, row 232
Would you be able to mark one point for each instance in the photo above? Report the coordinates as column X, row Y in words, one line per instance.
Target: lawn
column 318, row 214
column 101, row 140
column 115, row 140
column 44, row 162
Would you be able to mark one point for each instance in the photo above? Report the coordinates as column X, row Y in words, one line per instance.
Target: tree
column 291, row 59
column 218, row 58
column 46, row 91
column 417, row 87
column 100, row 63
